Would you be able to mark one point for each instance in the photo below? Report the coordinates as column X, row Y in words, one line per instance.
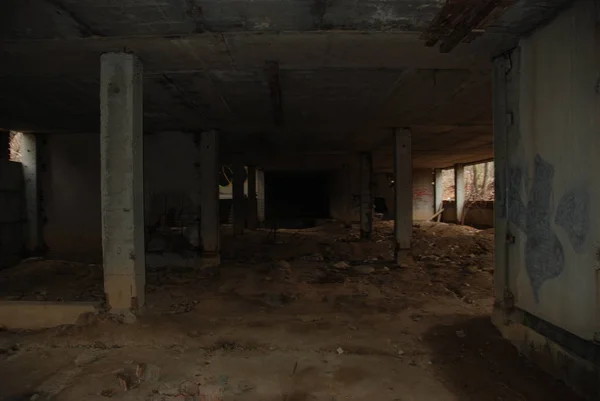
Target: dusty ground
column 306, row 315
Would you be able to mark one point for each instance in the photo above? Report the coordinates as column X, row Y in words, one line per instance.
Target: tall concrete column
column 239, row 212
column 347, row 194
column 29, row 161
column 209, row 198
column 366, row 195
column 260, row 194
column 439, row 190
column 459, row 190
column 252, row 199
column 122, row 187
column 403, row 194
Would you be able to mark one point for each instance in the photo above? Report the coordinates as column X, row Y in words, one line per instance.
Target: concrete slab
column 37, row 315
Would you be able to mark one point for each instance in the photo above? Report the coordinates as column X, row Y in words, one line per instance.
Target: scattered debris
column 472, row 269
column 189, row 388
column 87, row 357
column 363, row 269
column 284, row 264
column 461, row 334
column 147, row 372
column 315, row 257
column 108, row 392
column 127, row 380
column 340, row 350
column 341, row 265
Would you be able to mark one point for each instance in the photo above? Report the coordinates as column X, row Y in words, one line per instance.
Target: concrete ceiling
column 348, row 71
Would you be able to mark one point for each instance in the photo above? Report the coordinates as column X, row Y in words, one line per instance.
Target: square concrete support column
column 260, row 194
column 209, row 198
column 239, row 209
column 439, row 190
column 366, row 195
column 29, row 161
column 347, row 195
column 252, row 199
column 459, row 190
column 122, row 187
column 403, row 194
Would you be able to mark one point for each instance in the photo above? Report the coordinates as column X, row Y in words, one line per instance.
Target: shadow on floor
column 475, row 362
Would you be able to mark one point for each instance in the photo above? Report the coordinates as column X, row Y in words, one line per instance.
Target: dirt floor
column 311, row 314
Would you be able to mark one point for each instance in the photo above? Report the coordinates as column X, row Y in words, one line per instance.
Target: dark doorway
column 296, row 199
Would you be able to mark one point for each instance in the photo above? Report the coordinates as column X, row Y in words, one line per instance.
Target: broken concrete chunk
column 472, row 269
column 148, row 372
column 341, row 265
column 363, row 269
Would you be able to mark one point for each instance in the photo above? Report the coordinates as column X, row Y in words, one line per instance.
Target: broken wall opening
column 479, row 195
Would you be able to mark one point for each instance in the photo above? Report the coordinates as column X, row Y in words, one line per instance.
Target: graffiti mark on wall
column 544, row 253
column 572, row 215
column 422, row 196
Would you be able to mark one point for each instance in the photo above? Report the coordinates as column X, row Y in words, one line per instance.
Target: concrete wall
column 71, row 187
column 12, row 213
column 423, row 193
column 547, row 141
column 70, row 182
column 480, row 215
column 170, row 175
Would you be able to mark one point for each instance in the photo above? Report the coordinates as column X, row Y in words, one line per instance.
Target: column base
column 403, row 257
column 210, row 260
column 124, row 292
column 126, row 316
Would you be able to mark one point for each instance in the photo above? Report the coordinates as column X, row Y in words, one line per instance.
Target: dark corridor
column 296, row 199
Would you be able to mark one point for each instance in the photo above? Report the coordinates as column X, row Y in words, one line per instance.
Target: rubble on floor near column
column 279, row 322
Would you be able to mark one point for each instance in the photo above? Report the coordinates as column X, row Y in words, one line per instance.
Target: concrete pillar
column 459, row 190
column 403, row 194
column 239, row 212
column 252, row 198
column 29, row 161
column 347, row 195
column 209, row 198
column 260, row 195
column 122, row 188
column 439, row 190
column 366, row 195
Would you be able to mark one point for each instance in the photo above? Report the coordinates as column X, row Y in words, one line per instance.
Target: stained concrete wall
column 548, row 153
column 70, row 183
column 423, row 193
column 12, row 213
column 546, row 143
column 71, row 188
